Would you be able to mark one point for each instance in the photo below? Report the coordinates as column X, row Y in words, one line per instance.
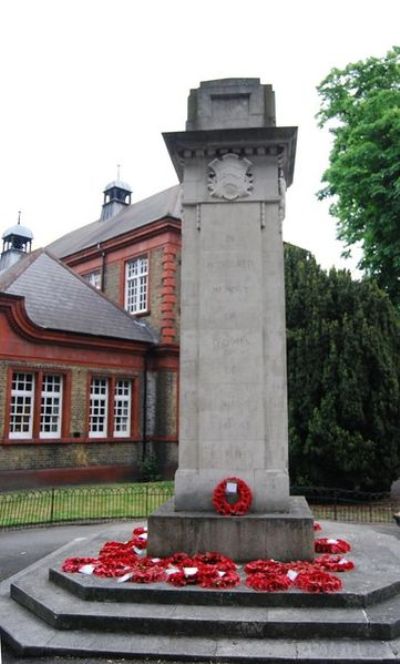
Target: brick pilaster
column 168, row 295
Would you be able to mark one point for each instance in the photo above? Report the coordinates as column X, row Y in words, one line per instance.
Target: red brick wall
column 163, row 251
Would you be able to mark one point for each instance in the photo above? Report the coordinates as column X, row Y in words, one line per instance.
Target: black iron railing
column 43, row 506
column 60, row 505
column 346, row 505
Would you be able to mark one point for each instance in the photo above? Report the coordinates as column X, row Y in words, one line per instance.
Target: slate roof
column 56, row 298
column 166, row 203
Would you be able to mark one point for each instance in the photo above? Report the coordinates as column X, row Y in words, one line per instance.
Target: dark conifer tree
column 343, row 378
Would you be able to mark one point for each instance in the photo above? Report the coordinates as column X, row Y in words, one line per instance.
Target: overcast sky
column 88, row 84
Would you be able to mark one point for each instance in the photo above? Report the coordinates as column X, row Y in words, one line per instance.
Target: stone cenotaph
column 234, row 164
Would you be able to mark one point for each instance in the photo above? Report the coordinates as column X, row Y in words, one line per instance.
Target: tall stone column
column 234, row 165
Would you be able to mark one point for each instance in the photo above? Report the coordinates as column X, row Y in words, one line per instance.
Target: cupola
column 117, row 195
column 17, row 241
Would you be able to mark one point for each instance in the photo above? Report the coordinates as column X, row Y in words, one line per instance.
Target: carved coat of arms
column 230, row 177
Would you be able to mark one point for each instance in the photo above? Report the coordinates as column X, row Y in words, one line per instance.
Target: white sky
column 87, row 84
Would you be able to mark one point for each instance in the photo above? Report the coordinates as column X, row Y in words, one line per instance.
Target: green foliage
column 343, row 378
column 361, row 103
column 150, row 469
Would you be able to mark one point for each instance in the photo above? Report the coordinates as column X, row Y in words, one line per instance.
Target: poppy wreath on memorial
column 318, row 582
column 268, row 582
column 241, row 506
column 333, row 563
column 325, row 545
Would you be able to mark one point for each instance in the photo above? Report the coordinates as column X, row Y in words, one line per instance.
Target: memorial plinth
column 234, row 165
column 283, row 536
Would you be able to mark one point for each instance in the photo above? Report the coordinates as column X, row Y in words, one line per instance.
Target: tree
column 343, row 378
column 361, row 103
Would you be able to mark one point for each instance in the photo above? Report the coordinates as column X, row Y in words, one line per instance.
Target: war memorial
column 232, row 486
column 234, row 165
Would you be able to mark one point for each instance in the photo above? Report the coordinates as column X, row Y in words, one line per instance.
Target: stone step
column 59, row 609
column 66, row 613
column 361, row 587
column 89, row 588
column 29, row 636
column 207, row 631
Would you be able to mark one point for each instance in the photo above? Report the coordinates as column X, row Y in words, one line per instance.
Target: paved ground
column 9, row 658
column 20, row 548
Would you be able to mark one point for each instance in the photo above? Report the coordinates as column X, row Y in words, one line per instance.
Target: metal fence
column 58, row 505
column 344, row 505
column 45, row 506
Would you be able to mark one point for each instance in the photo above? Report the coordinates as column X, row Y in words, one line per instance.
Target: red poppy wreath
column 240, row 506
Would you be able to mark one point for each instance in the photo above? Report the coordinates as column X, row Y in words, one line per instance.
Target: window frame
column 110, row 433
column 35, row 433
column 103, row 400
column 49, row 395
column 122, row 399
column 16, row 393
column 91, row 278
column 129, row 280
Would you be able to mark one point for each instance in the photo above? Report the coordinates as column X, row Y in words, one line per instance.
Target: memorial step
column 204, row 632
column 92, row 588
column 29, row 636
column 64, row 611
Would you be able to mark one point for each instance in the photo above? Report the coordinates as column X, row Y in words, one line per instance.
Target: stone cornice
column 247, row 142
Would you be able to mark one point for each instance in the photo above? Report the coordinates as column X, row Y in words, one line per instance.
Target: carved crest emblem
column 230, row 177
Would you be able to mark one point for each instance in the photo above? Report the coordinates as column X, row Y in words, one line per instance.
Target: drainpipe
column 103, row 266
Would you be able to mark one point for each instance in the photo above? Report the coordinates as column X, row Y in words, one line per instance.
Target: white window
column 94, row 279
column 22, row 402
column 51, row 407
column 98, row 408
column 136, row 285
column 122, row 408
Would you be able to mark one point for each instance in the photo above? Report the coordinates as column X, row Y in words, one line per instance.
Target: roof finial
column 19, row 217
column 118, row 171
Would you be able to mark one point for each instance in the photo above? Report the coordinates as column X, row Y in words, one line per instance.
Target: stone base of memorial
column 283, row 536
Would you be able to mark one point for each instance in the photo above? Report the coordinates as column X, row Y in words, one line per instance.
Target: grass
column 82, row 503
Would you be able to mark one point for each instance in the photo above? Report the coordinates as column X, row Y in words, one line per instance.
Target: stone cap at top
column 231, row 103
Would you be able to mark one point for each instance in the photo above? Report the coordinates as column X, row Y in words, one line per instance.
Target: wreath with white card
column 232, row 497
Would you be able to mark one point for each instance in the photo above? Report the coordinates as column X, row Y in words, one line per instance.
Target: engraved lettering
column 224, row 343
column 230, row 263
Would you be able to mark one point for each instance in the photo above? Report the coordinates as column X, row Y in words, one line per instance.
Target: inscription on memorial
column 228, row 289
column 230, row 343
column 227, row 263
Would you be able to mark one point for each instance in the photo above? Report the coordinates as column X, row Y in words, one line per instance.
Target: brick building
column 89, row 332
